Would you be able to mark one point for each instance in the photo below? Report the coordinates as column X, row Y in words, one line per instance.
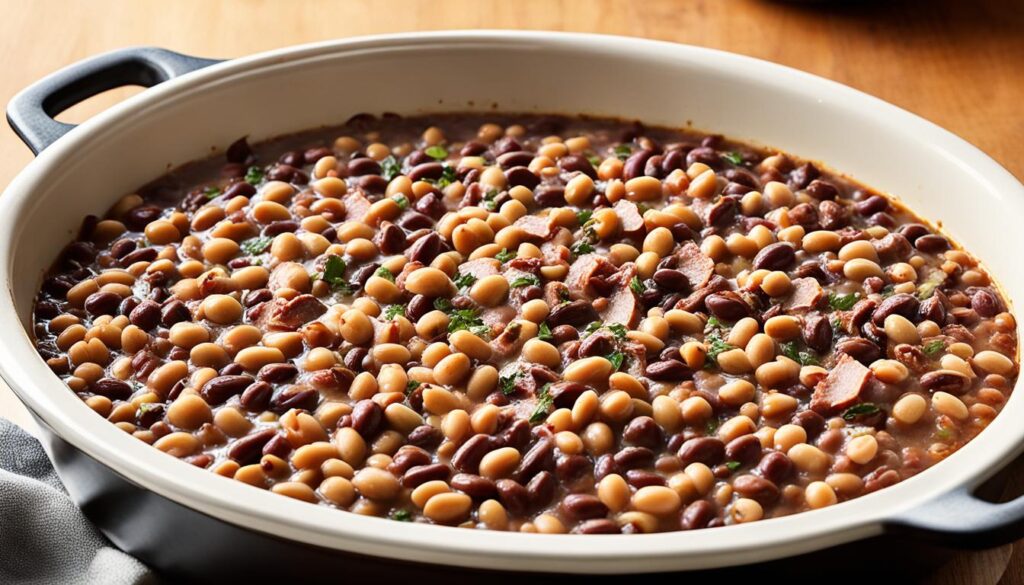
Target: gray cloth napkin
column 44, row 537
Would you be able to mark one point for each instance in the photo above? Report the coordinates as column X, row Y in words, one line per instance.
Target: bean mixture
column 532, row 323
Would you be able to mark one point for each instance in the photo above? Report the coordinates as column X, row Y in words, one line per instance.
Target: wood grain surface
column 958, row 63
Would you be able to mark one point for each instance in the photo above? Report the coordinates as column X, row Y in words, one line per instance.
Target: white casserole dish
column 937, row 174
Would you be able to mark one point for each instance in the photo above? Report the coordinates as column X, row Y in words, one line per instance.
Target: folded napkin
column 44, row 537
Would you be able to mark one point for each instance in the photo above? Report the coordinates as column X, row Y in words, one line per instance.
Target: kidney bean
column 812, row 422
column 467, row 457
column 426, row 248
column 696, row 515
column 706, row 155
column 706, row 450
column 570, row 467
column 112, row 388
column 985, row 303
column 898, row 304
column 575, row 163
column 286, row 400
column 745, row 450
column 145, row 315
column 541, row 489
column 671, row 280
column 474, row 486
column 597, row 526
column 668, row 371
column 802, row 176
column 639, row 478
column 219, row 389
column 390, row 239
column 427, row 170
column 584, row 507
column 521, row 176
column 777, row 256
column 821, row 189
column 932, row 244
column 248, row 449
column 174, row 312
column 817, row 332
column 539, row 458
column 138, row 218
column 945, row 381
column 576, row 313
column 880, row 478
column 722, row 213
column 642, row 431
column 550, row 196
column 140, row 255
column 727, row 306
column 756, row 488
column 421, row 474
column 406, row 458
column 358, row 167
column 517, row 435
column 775, row 467
column 635, row 164
column 366, row 417
column 513, row 496
column 123, row 247
column 600, row 342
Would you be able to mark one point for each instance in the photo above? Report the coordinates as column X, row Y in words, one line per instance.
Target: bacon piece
column 356, row 206
column 807, row 293
column 295, row 313
column 583, row 269
column 535, row 228
column 287, row 274
column 481, row 267
column 556, row 293
column 697, row 267
column 842, row 387
column 623, row 307
column 695, row 302
column 629, row 218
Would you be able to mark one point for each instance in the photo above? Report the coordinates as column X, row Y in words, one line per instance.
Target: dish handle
column 31, row 113
column 961, row 519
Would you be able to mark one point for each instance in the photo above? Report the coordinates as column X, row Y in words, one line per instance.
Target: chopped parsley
column 934, row 348
column 489, row 201
column 618, row 330
column 467, row 319
column 544, row 332
column 712, row 324
column 595, row 161
column 464, row 280
column 616, row 358
column 402, row 201
column 636, row 285
column 733, row 465
column 384, row 273
column 715, row 345
column 529, row 280
column 584, row 215
column 733, row 157
column 623, row 151
column 334, row 270
column 401, row 515
column 211, row 192
column 390, row 168
column 254, row 175
column 436, row 152
column 442, row 304
column 802, row 357
column 448, row 177
column 888, row 290
column 864, row 408
column 254, row 246
column 927, row 289
column 411, row 386
column 393, row 311
column 582, row 247
column 842, row 302
column 592, row 327
column 544, row 402
column 504, row 256
column 508, row 383
column 944, row 433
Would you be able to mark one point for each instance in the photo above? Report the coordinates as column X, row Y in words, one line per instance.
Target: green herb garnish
column 211, row 192
column 712, row 324
column 411, row 386
column 856, row 410
column 584, row 215
column 393, row 311
column 715, row 345
column 733, row 465
column 636, row 285
column 254, row 175
column 927, row 289
column 508, row 383
column 464, row 280
column 467, row 319
column 504, row 256
column 887, row 291
column 390, row 168
column 384, row 273
column 842, row 302
column 544, row 332
column 254, row 246
column 442, row 304
column 529, row 280
column 733, row 157
column 401, row 516
column 436, row 152
column 402, row 201
column 934, row 348
column 544, row 402
column 582, row 247
column 592, row 327
column 618, row 330
column 334, row 270
column 448, row 177
column 616, row 358
column 802, row 357
column 623, row 151
column 489, row 201
column 595, row 161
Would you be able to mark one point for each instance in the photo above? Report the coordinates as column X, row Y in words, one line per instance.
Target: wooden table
column 958, row 63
